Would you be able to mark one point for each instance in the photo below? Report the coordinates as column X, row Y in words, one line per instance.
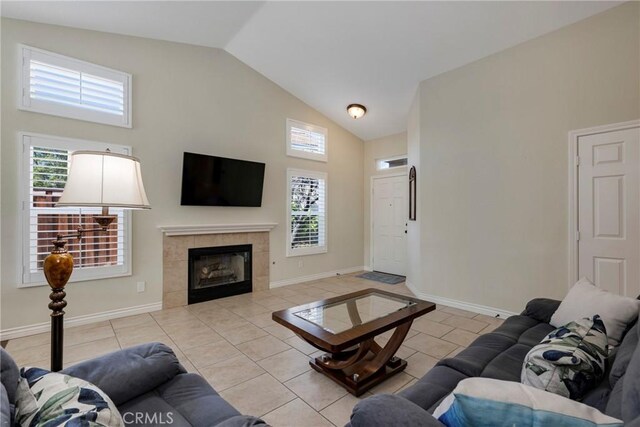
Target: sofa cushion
column 586, row 300
column 187, row 398
column 9, row 374
column 515, row 326
column 508, row 364
column 6, row 408
column 614, row 404
column 599, row 396
column 497, row 354
column 541, row 309
column 52, row 398
column 532, row 336
column 386, row 410
column 623, row 355
column 631, row 390
column 128, row 373
column 472, row 360
column 485, row 402
column 570, row 360
column 433, row 387
column 150, row 410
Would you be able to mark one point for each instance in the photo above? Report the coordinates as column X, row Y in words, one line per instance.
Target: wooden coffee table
column 345, row 327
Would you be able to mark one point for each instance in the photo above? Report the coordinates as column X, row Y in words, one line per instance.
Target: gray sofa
column 500, row 355
column 146, row 383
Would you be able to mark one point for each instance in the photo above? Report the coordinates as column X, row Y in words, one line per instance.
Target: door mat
column 389, row 279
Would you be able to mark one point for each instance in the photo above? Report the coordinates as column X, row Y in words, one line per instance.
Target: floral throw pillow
column 52, row 399
column 570, row 360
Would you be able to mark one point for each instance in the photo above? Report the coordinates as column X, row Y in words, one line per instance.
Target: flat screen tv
column 218, row 181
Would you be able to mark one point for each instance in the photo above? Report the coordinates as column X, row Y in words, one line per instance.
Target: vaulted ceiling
column 330, row 54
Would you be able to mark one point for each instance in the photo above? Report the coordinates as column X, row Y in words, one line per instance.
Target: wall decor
column 412, row 193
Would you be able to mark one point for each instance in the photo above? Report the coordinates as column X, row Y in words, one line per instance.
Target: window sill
column 306, row 251
column 38, row 283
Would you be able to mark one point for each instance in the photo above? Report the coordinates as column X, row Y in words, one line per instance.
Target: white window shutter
column 307, row 207
column 306, row 140
column 97, row 254
column 67, row 87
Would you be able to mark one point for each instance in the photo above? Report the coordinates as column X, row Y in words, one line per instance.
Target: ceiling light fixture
column 356, row 110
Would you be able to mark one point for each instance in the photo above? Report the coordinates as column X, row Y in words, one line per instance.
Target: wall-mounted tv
column 218, row 181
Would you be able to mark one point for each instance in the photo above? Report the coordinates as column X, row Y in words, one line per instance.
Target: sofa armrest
column 131, row 372
column 541, row 309
column 385, row 410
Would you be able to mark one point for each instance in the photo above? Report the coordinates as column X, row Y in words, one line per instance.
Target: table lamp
column 95, row 179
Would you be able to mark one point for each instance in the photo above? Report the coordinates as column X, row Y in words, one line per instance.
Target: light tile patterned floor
column 260, row 367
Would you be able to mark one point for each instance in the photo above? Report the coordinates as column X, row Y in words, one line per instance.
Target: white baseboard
column 463, row 305
column 367, row 268
column 37, row 328
column 313, row 277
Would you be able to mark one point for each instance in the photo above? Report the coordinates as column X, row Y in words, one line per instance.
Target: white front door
column 609, row 210
column 389, row 219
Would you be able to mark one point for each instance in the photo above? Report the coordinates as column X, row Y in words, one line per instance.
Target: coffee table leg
column 359, row 371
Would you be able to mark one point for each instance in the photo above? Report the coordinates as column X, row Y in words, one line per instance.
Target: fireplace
column 218, row 272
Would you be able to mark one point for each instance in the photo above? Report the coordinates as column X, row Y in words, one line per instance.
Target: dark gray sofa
column 147, row 384
column 500, row 355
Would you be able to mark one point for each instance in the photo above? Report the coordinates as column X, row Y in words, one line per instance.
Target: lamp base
column 57, row 341
column 58, row 267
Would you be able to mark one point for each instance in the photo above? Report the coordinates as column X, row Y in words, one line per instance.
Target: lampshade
column 356, row 110
column 104, row 179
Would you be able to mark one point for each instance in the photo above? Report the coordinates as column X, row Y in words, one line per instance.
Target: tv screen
column 218, row 181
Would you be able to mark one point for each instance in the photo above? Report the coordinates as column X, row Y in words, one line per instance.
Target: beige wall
column 493, row 158
column 376, row 149
column 185, row 98
column 414, row 228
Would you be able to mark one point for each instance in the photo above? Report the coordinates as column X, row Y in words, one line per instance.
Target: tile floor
column 257, row 365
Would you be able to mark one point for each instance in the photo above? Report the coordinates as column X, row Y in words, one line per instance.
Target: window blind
column 308, row 216
column 68, row 87
column 48, row 169
column 306, row 140
column 65, row 86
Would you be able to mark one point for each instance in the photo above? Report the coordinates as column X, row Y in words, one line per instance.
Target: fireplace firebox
column 219, row 272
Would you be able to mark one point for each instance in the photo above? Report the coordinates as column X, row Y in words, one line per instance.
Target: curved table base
column 368, row 365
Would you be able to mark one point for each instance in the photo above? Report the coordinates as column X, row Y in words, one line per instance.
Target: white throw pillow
column 586, row 300
column 485, row 402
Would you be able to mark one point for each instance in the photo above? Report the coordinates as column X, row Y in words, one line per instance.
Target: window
column 67, row 87
column 391, row 163
column 306, row 141
column 44, row 173
column 307, row 212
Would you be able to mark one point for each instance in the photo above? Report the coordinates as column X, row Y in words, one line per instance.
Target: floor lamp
column 96, row 179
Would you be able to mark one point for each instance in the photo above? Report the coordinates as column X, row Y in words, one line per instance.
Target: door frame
column 574, row 136
column 371, row 202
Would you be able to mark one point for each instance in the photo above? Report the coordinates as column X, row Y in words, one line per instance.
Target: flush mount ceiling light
column 356, row 110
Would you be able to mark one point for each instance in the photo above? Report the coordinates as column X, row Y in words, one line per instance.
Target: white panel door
column 389, row 218
column 609, row 210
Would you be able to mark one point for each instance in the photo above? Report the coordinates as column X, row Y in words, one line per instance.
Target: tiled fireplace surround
column 175, row 256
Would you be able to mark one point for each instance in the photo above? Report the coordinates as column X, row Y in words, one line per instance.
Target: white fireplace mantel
column 184, row 230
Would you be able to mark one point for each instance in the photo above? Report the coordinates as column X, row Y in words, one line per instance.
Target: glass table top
column 341, row 316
